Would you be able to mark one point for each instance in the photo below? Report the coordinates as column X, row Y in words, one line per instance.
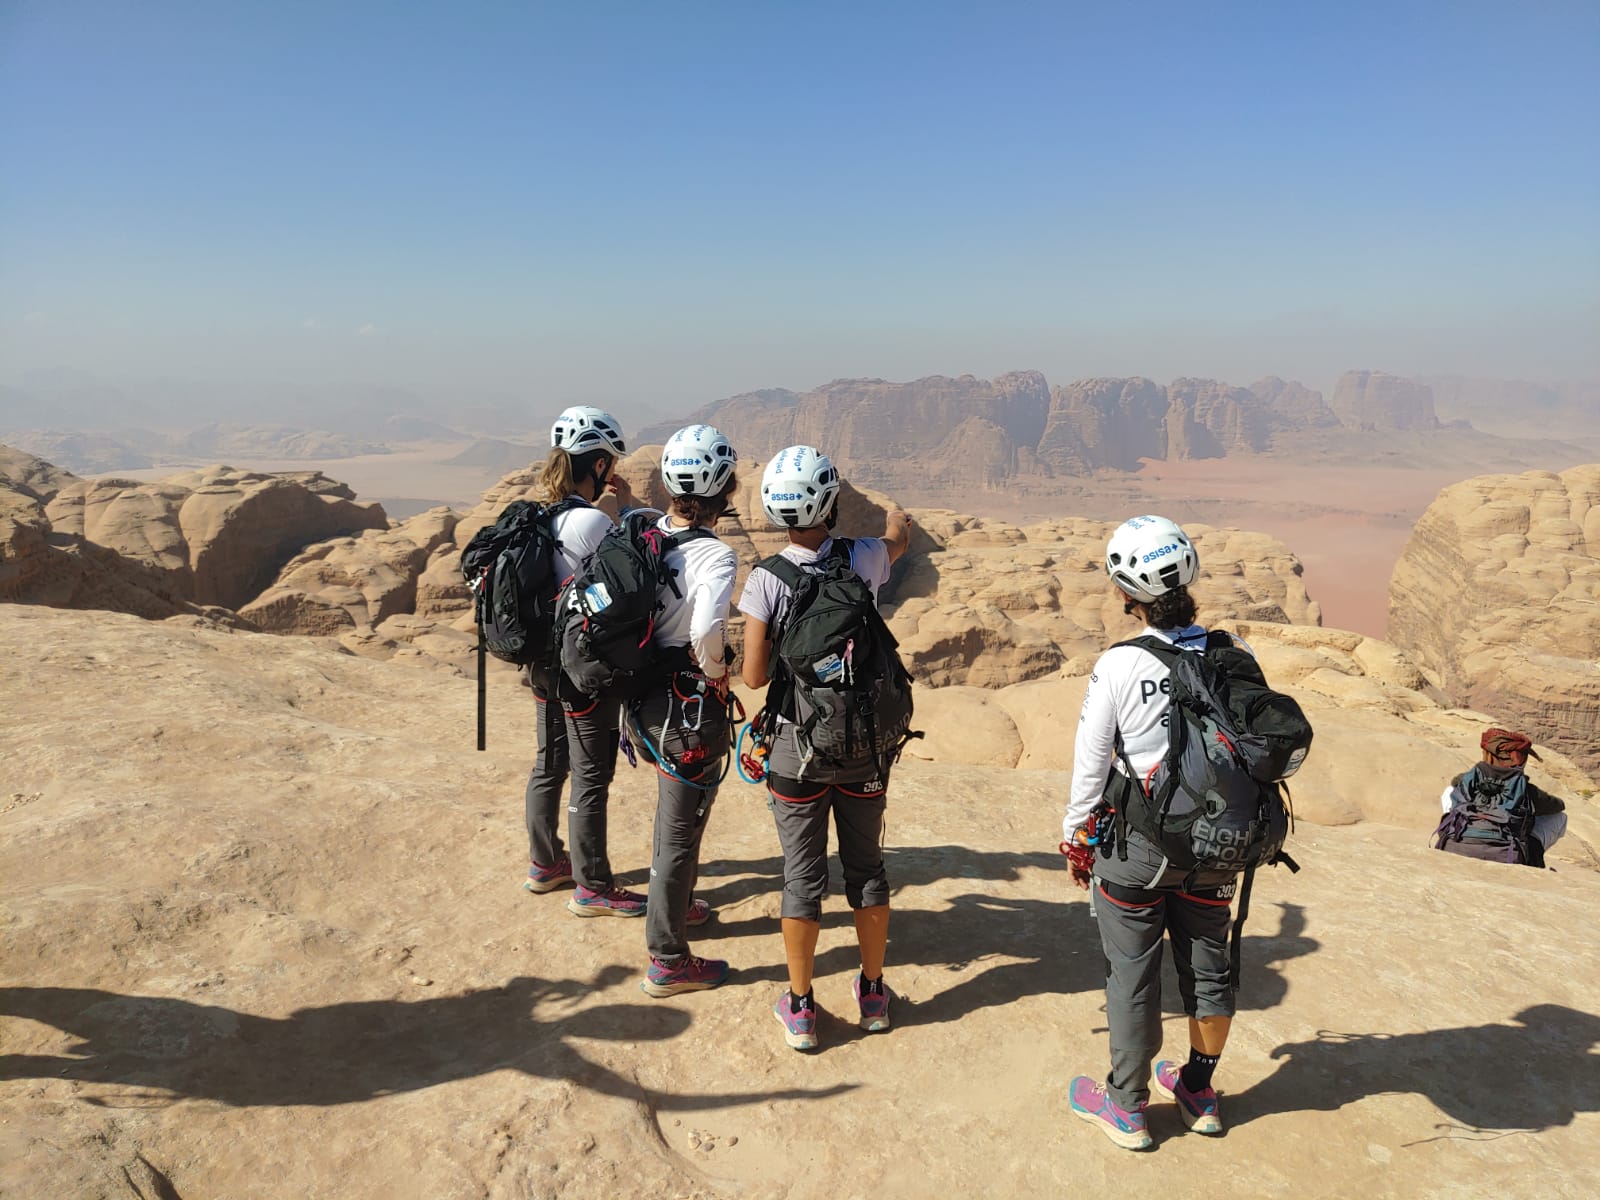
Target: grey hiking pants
column 681, row 815
column 577, row 735
column 800, row 810
column 1131, row 922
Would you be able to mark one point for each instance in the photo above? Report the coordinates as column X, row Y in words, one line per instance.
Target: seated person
column 1492, row 812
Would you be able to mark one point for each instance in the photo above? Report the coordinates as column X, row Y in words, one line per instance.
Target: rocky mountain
column 1374, row 401
column 1497, row 597
column 968, row 432
column 86, row 453
column 265, row 937
column 1518, row 407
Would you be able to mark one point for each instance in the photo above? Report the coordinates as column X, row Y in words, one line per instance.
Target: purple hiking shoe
column 872, row 1000
column 1127, row 1129
column 548, row 879
column 799, row 1026
column 691, row 975
column 613, row 902
column 1200, row 1110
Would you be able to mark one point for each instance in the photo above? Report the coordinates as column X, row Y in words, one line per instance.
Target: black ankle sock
column 871, row 987
column 1196, row 1075
column 796, row 1003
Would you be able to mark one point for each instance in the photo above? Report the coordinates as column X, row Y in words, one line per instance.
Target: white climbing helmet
column 1150, row 556
column 799, row 488
column 697, row 461
column 580, row 429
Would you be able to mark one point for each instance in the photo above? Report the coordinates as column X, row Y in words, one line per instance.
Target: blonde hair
column 559, row 477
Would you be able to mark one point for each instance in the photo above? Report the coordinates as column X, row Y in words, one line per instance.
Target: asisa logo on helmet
column 683, row 462
column 1169, row 548
column 786, row 496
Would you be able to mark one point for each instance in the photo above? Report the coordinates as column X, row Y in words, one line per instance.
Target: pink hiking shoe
column 548, row 879
column 1127, row 1129
column 614, row 902
column 691, row 975
column 1200, row 1110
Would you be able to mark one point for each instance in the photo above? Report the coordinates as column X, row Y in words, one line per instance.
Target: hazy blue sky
column 662, row 203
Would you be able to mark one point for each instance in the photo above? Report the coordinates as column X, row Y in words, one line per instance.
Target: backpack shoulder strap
column 692, row 534
column 791, row 573
column 1160, row 647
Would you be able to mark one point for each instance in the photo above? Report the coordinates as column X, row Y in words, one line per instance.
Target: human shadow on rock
column 1536, row 1074
column 350, row 1052
column 906, row 866
column 1262, row 982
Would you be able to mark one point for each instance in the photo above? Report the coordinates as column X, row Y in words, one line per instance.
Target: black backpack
column 1215, row 802
column 1490, row 818
column 608, row 611
column 510, row 567
column 836, row 669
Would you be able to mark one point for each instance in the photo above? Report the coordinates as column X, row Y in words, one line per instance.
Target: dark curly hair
column 704, row 510
column 1171, row 610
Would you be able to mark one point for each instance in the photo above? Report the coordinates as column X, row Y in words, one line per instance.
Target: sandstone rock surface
column 1383, row 749
column 218, row 536
column 1497, row 598
column 32, row 476
column 312, row 972
column 991, row 604
column 353, row 581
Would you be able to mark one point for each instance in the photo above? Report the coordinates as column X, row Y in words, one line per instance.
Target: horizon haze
column 649, row 209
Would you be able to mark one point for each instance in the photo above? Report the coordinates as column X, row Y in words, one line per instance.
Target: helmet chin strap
column 1128, row 606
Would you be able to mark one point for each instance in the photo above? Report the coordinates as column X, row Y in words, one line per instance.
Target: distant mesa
column 84, row 453
column 940, row 432
column 271, row 441
column 498, row 454
column 1373, row 401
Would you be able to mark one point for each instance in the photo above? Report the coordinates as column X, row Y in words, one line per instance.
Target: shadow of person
column 350, row 1052
column 1033, row 946
column 1262, row 982
column 1532, row 1075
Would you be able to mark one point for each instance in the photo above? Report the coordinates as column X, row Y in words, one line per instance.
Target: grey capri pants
column 801, row 809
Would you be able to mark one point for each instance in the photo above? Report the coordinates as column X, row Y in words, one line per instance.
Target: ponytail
column 562, row 471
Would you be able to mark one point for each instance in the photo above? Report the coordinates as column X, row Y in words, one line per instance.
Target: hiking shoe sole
column 540, row 887
column 602, row 910
column 662, row 990
column 1209, row 1124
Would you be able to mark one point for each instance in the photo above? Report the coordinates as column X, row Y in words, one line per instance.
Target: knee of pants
column 868, row 892
column 802, row 903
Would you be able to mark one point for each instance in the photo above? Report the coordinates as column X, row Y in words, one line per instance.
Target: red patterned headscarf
column 1506, row 748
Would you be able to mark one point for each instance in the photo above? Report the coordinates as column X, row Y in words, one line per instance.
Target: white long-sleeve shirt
column 577, row 532
column 1129, row 691
column 704, row 570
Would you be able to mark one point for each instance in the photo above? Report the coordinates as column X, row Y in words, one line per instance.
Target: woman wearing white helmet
column 697, row 467
column 577, row 735
column 800, row 493
column 1151, row 562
